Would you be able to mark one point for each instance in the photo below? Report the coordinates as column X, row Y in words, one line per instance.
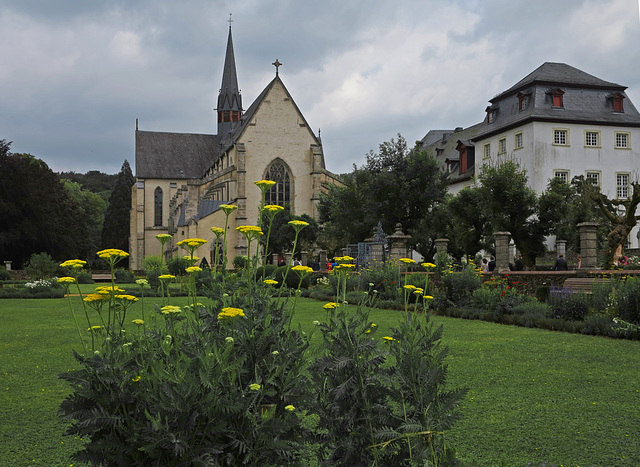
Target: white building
column 558, row 121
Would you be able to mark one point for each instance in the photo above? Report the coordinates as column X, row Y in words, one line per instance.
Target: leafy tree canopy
column 115, row 229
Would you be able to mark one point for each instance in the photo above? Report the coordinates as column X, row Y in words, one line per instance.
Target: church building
column 182, row 179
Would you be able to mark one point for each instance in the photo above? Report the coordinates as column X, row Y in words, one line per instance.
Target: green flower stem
column 84, row 347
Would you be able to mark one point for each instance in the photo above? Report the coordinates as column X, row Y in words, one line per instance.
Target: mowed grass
column 534, row 395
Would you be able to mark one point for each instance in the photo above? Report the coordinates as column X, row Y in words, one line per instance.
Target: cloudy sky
column 75, row 74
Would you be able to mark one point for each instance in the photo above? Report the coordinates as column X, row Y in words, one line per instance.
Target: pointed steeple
column 229, row 100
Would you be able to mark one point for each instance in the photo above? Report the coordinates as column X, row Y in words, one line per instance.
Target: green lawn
column 533, row 396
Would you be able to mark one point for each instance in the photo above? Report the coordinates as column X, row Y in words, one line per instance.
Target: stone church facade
column 182, row 179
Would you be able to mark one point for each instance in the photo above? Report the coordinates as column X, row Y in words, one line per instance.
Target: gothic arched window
column 157, row 207
column 280, row 193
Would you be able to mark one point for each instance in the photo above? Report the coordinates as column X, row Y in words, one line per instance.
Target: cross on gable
column 277, row 64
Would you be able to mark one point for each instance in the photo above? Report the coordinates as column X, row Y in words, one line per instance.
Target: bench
column 101, row 277
column 583, row 284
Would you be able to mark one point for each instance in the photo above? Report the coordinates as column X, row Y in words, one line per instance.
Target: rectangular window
column 561, row 137
column 594, row 177
column 518, row 141
column 502, row 146
column 622, row 140
column 562, row 175
column 622, row 186
column 487, row 150
column 592, row 139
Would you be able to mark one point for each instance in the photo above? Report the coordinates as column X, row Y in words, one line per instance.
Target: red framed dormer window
column 616, row 100
column 523, row 101
column 491, row 114
column 557, row 98
column 463, row 161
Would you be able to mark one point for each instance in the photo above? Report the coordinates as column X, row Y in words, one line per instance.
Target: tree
column 91, row 212
column 396, row 185
column 37, row 213
column 115, row 230
column 621, row 213
column 282, row 234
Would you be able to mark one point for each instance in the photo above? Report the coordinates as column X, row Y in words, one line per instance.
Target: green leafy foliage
column 115, row 229
column 41, row 266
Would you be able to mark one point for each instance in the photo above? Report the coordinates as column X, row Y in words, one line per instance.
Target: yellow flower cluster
column 73, row 263
column 302, row 269
column 270, row 282
column 191, row 242
column 407, row 260
column 290, row 408
column 142, row 282
column 129, row 298
column 166, row 276
column 193, row 269
column 166, row 310
column 228, row 208
column 66, row 280
column 343, row 259
column 272, row 208
column 297, row 223
column 428, row 265
column 108, row 289
column 255, row 387
column 264, row 184
column 331, row 306
column 139, row 322
column 217, row 230
column 246, row 229
column 344, row 267
column 112, row 253
column 410, row 287
column 94, row 328
column 163, row 237
column 230, row 312
column 94, row 297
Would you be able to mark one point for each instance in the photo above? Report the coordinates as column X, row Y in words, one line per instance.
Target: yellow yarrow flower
column 298, row 223
column 264, row 184
column 166, row 310
column 290, row 408
column 228, row 208
column 407, row 260
column 112, row 253
column 66, row 280
column 230, row 312
column 250, row 229
column 142, row 282
column 428, row 265
column 94, row 328
column 130, row 298
column 108, row 289
column 270, row 282
column 255, row 387
column 331, row 306
column 273, row 208
column 94, row 297
column 217, row 230
column 193, row 269
column 428, row 297
column 388, row 339
column 138, row 322
column 302, row 269
column 163, row 237
column 189, row 243
column 166, row 276
column 73, row 263
column 410, row 287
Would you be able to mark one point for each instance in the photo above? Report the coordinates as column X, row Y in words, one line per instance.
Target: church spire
column 229, row 100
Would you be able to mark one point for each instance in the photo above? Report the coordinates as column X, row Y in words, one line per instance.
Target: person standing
column 561, row 264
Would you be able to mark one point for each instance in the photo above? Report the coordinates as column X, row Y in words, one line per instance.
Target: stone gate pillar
column 561, row 248
column 502, row 251
column 398, row 243
column 588, row 244
column 441, row 244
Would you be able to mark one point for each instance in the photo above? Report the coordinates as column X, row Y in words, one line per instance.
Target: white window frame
column 627, row 140
column 587, row 134
column 502, row 146
column 594, row 174
column 518, row 140
column 486, row 154
column 622, row 189
column 562, row 174
column 556, row 140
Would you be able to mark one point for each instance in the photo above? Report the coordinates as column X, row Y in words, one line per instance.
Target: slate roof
column 174, row 155
column 586, row 100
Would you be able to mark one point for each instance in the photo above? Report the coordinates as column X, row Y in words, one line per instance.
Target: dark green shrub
column 568, row 305
column 5, row 275
column 123, row 276
column 597, row 324
column 532, row 308
column 84, row 277
column 628, row 300
column 601, row 294
column 240, row 262
column 293, row 279
column 154, row 267
column 178, row 266
column 459, row 286
column 542, row 292
column 41, row 266
column 485, row 298
column 265, row 272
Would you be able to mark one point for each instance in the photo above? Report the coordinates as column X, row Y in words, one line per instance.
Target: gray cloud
column 75, row 75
